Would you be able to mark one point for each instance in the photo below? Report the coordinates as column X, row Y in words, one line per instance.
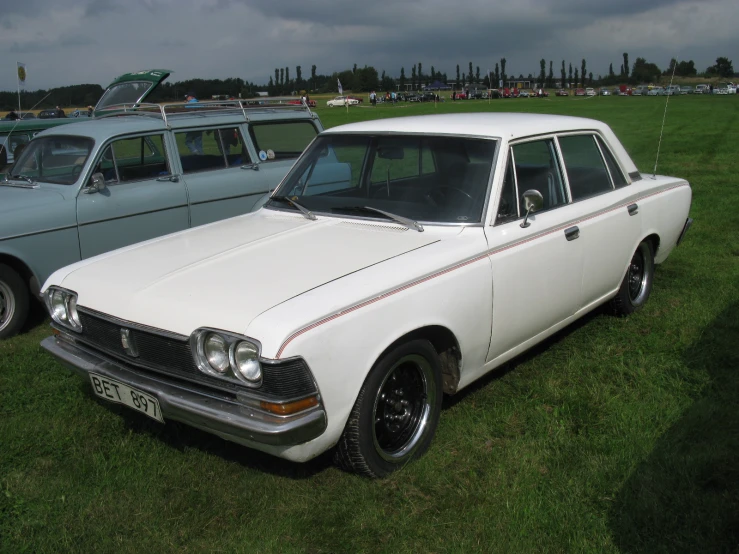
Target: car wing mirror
column 97, row 183
column 532, row 202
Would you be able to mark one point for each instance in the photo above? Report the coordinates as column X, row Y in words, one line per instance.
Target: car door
column 609, row 224
column 537, row 269
column 219, row 171
column 141, row 200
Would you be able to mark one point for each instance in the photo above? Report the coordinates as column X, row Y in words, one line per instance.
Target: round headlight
column 246, row 359
column 74, row 317
column 216, row 352
column 59, row 306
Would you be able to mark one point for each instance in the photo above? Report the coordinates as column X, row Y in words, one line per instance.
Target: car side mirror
column 532, row 202
column 97, row 183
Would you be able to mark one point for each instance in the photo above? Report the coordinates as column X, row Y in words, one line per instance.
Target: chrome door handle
column 633, row 209
column 572, row 233
column 170, row 178
column 255, row 167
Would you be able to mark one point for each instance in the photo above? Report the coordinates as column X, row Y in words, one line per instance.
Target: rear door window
column 586, row 170
column 211, row 149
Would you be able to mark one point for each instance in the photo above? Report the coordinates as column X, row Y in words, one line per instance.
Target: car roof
column 507, row 125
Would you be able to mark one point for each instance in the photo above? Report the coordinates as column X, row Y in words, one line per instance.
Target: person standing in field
column 193, row 139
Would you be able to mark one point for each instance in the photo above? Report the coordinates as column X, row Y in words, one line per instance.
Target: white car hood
column 225, row 274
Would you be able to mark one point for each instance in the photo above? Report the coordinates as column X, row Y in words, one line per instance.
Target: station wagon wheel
column 637, row 283
column 14, row 302
column 396, row 413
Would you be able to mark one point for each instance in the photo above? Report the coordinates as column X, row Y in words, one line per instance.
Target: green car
column 132, row 173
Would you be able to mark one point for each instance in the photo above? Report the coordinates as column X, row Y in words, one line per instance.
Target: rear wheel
column 14, row 302
column 396, row 413
column 637, row 283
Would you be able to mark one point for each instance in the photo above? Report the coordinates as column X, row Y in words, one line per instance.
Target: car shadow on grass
column 685, row 496
column 182, row 438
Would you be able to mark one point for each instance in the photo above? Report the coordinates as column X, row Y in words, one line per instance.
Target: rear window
column 279, row 141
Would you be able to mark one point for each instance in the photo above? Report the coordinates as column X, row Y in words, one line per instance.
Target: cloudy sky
column 65, row 42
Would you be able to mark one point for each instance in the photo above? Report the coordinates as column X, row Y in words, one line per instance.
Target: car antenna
column 17, row 121
column 664, row 117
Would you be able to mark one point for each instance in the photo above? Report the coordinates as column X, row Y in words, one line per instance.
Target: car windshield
column 432, row 179
column 55, row 159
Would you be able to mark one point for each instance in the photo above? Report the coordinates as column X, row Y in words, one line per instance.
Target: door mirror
column 97, row 183
column 532, row 202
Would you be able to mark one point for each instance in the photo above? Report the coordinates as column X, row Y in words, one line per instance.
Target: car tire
column 396, row 412
column 637, row 283
column 14, row 302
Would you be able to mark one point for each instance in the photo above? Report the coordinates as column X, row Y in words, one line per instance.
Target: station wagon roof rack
column 193, row 109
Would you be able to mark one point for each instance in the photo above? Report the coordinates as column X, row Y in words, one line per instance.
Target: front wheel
column 14, row 302
column 637, row 283
column 396, row 413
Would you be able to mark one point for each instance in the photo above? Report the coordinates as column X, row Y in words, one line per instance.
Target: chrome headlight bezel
column 61, row 304
column 231, row 342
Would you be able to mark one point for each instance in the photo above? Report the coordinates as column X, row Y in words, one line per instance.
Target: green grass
column 616, row 435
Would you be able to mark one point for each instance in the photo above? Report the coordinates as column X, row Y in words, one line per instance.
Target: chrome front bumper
column 230, row 420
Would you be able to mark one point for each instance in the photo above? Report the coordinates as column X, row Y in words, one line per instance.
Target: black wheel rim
column 637, row 275
column 402, row 407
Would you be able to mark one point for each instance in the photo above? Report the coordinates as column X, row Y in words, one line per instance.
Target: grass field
column 616, row 435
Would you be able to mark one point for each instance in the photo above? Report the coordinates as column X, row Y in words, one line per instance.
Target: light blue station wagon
column 133, row 173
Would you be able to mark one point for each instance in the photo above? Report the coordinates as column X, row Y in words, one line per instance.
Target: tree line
column 367, row 78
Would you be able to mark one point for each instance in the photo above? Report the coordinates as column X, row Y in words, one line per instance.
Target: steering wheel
column 440, row 195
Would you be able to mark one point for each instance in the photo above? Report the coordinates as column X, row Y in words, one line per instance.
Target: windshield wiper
column 306, row 212
column 6, row 181
column 411, row 224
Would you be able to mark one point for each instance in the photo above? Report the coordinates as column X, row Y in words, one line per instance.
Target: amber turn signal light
column 291, row 407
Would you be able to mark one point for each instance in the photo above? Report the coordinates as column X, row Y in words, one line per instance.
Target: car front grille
column 171, row 355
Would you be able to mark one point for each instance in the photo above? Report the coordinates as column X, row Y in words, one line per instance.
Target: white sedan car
column 342, row 101
column 399, row 260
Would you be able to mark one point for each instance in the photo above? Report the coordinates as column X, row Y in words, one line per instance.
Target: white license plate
column 120, row 393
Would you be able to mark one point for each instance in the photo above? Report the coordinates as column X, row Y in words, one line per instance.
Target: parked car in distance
column 605, row 92
column 686, row 89
column 671, row 90
column 702, row 89
column 342, row 101
column 401, row 259
column 561, row 92
column 655, row 91
column 579, row 92
column 359, row 99
column 523, row 93
column 590, row 91
column 80, row 190
column 641, row 90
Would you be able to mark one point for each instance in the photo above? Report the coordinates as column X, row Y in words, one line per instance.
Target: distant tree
column 723, row 68
column 502, row 70
column 611, row 74
column 420, row 71
column 625, row 66
column 298, row 76
column 458, row 73
column 583, row 72
column 413, row 77
column 542, row 71
column 444, row 79
column 570, row 80
column 277, row 77
column 686, row 69
column 282, row 76
column 402, row 77
column 354, row 69
column 644, row 72
column 313, row 76
column 469, row 74
column 550, row 77
column 497, row 75
column 590, row 78
column 477, row 74
column 433, row 74
column 271, row 87
column 287, row 80
column 563, row 75
column 577, row 77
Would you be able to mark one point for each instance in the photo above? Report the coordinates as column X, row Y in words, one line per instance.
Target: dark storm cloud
column 98, row 8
